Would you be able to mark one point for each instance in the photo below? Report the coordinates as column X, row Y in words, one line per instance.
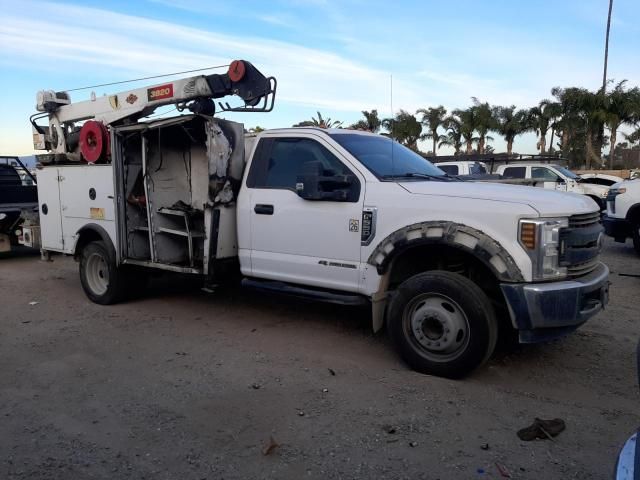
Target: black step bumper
column 618, row 228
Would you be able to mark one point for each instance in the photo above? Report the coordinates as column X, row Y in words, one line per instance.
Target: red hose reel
column 94, row 141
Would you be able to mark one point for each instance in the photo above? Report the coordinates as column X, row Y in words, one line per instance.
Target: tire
column 635, row 234
column 102, row 281
column 427, row 307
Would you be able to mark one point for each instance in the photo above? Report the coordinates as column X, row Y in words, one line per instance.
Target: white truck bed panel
column 67, row 192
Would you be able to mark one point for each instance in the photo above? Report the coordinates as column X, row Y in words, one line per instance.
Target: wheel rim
column 437, row 326
column 97, row 273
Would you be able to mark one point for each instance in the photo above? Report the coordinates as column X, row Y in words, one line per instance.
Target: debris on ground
column 300, row 413
column 332, row 371
column 390, row 429
column 543, row 429
column 255, row 386
column 33, row 303
column 484, row 446
column 504, row 473
column 270, row 446
column 413, row 444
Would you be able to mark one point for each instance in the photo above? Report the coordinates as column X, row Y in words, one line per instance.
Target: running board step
column 327, row 296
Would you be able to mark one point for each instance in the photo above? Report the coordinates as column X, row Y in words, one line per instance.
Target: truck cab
column 555, row 177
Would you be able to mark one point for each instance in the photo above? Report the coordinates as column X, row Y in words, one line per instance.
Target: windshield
column 384, row 157
column 567, row 173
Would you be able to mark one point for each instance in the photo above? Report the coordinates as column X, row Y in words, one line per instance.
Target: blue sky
column 332, row 56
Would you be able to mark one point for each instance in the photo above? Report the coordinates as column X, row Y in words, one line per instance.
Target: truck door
column 312, row 242
column 50, row 211
column 550, row 178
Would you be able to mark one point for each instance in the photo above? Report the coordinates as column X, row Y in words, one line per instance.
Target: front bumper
column 618, row 228
column 543, row 311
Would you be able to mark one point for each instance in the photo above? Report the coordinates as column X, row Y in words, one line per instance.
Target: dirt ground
column 189, row 385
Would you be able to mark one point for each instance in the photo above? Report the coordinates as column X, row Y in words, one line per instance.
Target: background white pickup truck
column 622, row 219
column 338, row 215
column 555, row 177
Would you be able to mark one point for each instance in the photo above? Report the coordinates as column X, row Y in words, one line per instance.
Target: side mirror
column 315, row 184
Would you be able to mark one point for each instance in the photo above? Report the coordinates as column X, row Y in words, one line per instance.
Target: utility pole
column 604, row 73
column 606, row 49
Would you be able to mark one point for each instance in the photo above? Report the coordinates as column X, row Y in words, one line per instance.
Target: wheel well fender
column 92, row 232
column 462, row 237
column 444, row 237
column 633, row 215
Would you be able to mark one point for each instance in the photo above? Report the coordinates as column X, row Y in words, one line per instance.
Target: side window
column 515, row 172
column 477, row 169
column 543, row 173
column 450, row 169
column 278, row 162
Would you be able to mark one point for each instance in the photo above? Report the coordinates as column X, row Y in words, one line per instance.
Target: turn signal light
column 528, row 235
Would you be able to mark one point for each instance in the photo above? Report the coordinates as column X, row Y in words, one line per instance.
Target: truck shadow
column 19, row 252
column 273, row 308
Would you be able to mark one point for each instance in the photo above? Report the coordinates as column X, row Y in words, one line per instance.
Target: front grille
column 584, row 220
column 580, row 269
column 580, row 244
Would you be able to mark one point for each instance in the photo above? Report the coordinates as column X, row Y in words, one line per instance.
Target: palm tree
column 467, row 125
column 622, row 107
column 510, row 123
column 553, row 110
column 370, row 123
column 404, row 128
column 484, row 121
column 592, row 108
column 633, row 137
column 320, row 122
column 453, row 138
column 583, row 115
column 433, row 118
column 541, row 118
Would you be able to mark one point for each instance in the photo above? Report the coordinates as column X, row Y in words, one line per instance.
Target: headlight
column 616, row 191
column 541, row 240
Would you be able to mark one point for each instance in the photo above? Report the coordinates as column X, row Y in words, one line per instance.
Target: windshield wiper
column 426, row 176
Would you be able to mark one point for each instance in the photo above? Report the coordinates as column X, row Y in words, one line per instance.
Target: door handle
column 262, row 209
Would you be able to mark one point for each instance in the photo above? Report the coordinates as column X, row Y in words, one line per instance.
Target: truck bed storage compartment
column 175, row 174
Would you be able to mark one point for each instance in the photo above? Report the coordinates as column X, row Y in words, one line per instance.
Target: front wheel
column 442, row 324
column 102, row 281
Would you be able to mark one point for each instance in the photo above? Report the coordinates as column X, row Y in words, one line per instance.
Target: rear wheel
column 442, row 324
column 102, row 281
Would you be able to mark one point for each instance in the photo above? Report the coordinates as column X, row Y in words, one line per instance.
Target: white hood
column 547, row 203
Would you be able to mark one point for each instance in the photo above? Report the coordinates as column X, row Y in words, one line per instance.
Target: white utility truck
column 622, row 219
column 336, row 215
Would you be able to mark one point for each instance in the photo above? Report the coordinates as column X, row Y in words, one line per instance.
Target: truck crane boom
column 64, row 138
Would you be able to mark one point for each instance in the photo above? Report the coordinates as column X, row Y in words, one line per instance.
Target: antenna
column 393, row 170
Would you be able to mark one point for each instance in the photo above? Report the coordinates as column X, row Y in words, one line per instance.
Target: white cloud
column 349, row 71
column 80, row 37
